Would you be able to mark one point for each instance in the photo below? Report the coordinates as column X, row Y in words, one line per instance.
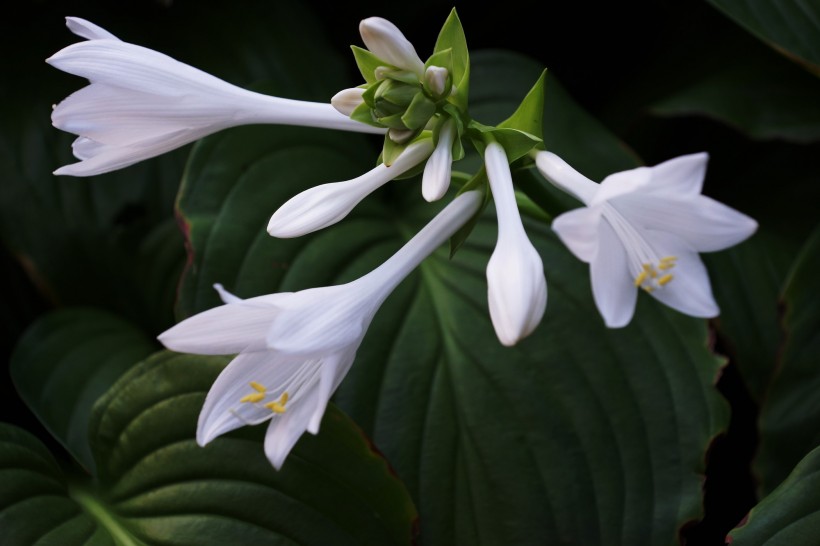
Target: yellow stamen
column 284, row 398
column 648, row 287
column 253, row 398
column 669, row 259
column 665, row 279
column 257, row 387
column 663, row 266
column 275, row 407
column 640, row 278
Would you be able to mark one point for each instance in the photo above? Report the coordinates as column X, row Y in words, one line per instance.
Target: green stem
column 98, row 511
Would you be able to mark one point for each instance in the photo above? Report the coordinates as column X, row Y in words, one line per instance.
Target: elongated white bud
column 347, row 100
column 437, row 171
column 324, row 205
column 516, row 287
column 387, row 42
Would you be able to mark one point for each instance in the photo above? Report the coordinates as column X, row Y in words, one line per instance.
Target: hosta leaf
column 579, row 435
column 35, row 507
column 157, row 486
column 789, row 515
column 790, row 416
column 747, row 281
column 763, row 96
column 790, row 26
column 68, row 359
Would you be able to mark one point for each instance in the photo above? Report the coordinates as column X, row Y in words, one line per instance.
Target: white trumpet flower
column 324, row 205
column 386, row 41
column 295, row 348
column 516, row 286
column 141, row 103
column 437, row 171
column 643, row 228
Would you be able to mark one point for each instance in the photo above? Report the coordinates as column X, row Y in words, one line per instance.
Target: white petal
column 386, row 42
column 578, row 229
column 516, row 289
column 322, row 320
column 705, row 224
column 561, row 174
column 690, row 291
column 227, row 329
column 284, row 431
column 324, row 205
column 622, row 183
column 612, row 284
column 334, row 370
column 681, row 176
column 347, row 100
column 436, row 178
column 87, row 29
column 223, row 411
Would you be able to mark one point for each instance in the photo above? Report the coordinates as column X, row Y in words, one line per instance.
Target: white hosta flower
column 436, row 178
column 387, row 42
column 643, row 228
column 141, row 103
column 295, row 348
column 324, row 205
column 516, row 287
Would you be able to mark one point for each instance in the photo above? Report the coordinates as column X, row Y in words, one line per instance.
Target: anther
column 275, row 407
column 665, row 279
column 257, row 387
column 253, row 398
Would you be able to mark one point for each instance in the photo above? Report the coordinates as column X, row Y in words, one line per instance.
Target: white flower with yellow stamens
column 295, row 348
column 643, row 228
column 141, row 103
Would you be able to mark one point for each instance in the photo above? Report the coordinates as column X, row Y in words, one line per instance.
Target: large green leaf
column 156, row 486
column 747, row 281
column 66, row 360
column 790, row 515
column 579, row 435
column 763, row 96
column 34, row 504
column 790, row 26
column 790, row 417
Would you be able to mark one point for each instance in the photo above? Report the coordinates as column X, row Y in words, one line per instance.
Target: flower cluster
column 638, row 229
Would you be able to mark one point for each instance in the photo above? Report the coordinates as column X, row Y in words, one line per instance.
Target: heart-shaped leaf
column 578, row 435
column 156, row 486
column 66, row 360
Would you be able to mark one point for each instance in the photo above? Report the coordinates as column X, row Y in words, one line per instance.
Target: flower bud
column 386, row 42
column 347, row 100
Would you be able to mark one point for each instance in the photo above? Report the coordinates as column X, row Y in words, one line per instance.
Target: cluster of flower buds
column 638, row 229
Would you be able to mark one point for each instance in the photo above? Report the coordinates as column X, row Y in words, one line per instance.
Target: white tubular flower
column 516, row 287
column 643, row 228
column 347, row 100
column 295, row 348
column 141, row 103
column 436, row 178
column 324, row 205
column 386, row 42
